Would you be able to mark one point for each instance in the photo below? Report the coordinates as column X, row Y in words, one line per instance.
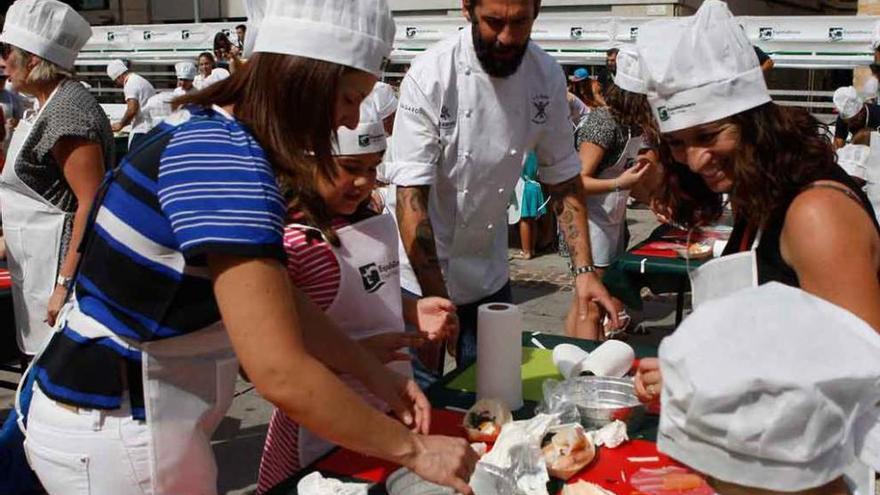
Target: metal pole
column 196, row 11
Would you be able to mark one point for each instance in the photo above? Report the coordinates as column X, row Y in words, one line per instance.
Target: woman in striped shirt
column 343, row 256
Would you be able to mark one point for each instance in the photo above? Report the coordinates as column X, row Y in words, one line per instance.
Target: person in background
column 136, row 91
column 871, row 86
column 855, row 118
column 532, row 207
column 240, row 33
column 186, row 73
column 333, row 233
column 12, row 105
column 606, row 77
column 587, row 89
column 183, row 282
column 578, row 109
column 799, row 219
column 227, row 53
column 453, row 190
column 209, row 73
column 609, row 142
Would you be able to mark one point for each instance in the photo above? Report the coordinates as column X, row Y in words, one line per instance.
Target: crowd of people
column 285, row 216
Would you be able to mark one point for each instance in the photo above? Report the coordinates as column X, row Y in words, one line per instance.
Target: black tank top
column 771, row 266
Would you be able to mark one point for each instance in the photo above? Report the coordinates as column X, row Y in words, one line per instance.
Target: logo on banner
column 364, row 140
column 765, row 33
column 633, row 32
column 411, row 31
column 184, row 34
column 577, row 33
column 835, row 33
column 540, row 104
column 148, row 35
column 111, row 36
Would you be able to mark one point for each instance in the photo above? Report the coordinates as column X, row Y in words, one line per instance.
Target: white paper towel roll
column 499, row 353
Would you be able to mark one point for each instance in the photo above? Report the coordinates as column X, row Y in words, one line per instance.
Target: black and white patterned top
column 71, row 112
column 600, row 128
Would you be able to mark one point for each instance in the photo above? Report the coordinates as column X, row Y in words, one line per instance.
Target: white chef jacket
column 466, row 135
column 138, row 88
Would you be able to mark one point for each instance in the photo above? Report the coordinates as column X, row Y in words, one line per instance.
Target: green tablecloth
column 630, row 272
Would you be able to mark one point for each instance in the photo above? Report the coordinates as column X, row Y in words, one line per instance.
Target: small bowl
column 602, row 400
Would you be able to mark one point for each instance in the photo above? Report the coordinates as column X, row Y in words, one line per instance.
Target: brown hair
column 287, row 102
column 781, row 150
column 584, row 91
column 630, row 110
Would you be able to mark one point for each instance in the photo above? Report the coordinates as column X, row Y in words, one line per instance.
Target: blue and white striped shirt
column 192, row 188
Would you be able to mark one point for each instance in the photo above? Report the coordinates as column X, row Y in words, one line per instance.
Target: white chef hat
column 255, row 10
column 383, row 99
column 847, row 102
column 629, row 72
column 699, row 69
column 116, row 68
column 47, row 28
column 354, row 33
column 367, row 137
column 185, row 70
column 771, row 388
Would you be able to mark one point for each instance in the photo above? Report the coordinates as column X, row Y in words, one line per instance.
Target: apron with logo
column 33, row 229
column 367, row 303
column 607, row 212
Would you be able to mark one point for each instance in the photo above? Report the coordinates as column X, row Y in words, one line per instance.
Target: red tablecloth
column 605, row 470
column 5, row 279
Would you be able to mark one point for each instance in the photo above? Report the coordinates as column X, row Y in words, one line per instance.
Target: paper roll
column 499, row 353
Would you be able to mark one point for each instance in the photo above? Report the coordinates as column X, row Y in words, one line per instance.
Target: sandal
column 625, row 320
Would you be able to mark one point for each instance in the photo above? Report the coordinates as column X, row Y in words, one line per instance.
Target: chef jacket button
column 513, row 152
column 500, row 190
column 467, row 71
column 489, row 226
column 466, row 154
column 467, row 113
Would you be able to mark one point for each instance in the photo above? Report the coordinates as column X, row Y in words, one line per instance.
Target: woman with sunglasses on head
column 799, row 218
column 183, row 277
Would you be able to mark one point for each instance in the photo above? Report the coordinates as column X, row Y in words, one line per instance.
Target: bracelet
column 583, row 269
column 616, row 186
column 64, row 281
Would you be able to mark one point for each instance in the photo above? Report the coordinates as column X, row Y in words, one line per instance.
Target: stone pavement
column 541, row 287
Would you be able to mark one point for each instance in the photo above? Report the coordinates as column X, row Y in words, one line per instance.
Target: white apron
column 607, row 212
column 33, row 229
column 723, row 276
column 367, row 303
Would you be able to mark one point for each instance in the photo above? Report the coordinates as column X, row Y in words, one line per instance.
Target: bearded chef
column 470, row 109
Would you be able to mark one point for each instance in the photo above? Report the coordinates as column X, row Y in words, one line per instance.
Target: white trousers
column 86, row 451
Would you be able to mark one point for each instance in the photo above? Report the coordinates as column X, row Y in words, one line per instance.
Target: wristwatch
column 64, row 281
column 582, row 269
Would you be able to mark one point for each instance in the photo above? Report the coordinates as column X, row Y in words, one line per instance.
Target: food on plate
column 681, row 481
column 669, row 480
column 484, row 420
column 584, row 488
column 699, row 250
column 567, row 449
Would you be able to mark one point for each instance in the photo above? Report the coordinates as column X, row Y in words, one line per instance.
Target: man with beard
column 607, row 76
column 471, row 108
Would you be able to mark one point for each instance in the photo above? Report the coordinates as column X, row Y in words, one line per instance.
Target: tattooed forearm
column 568, row 203
column 417, row 235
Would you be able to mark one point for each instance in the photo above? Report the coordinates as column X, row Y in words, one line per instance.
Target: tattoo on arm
column 571, row 214
column 417, row 235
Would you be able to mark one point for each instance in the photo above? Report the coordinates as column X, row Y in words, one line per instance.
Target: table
column 660, row 270
column 455, row 391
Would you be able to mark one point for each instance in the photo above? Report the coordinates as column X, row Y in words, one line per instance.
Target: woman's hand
column 56, row 300
column 387, row 346
column 631, row 176
column 404, row 397
column 648, row 380
column 437, row 318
